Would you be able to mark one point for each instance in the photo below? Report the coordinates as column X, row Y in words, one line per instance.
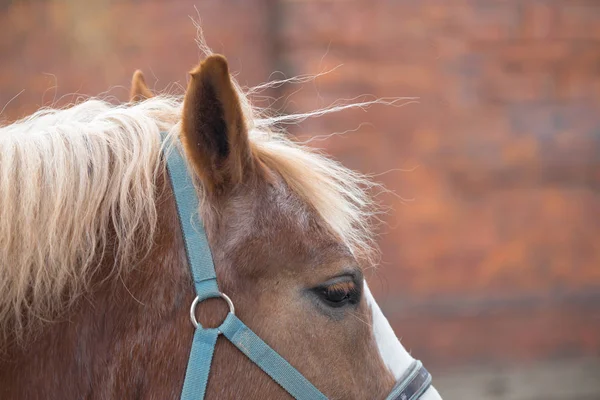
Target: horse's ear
column 214, row 133
column 139, row 90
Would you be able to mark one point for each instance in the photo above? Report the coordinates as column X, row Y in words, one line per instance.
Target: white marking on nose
column 393, row 354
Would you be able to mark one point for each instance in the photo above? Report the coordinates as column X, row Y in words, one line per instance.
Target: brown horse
column 94, row 285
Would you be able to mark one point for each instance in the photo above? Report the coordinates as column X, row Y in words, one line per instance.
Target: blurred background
column 491, row 250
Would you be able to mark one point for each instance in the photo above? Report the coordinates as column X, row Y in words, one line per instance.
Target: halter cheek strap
column 202, row 268
column 205, row 282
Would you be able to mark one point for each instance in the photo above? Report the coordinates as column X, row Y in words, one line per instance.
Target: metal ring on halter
column 197, row 300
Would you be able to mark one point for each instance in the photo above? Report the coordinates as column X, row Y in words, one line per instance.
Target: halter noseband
column 414, row 383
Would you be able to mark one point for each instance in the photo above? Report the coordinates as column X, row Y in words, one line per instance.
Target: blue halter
column 199, row 256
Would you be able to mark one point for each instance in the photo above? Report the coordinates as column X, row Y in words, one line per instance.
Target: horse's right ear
column 139, row 90
column 214, row 132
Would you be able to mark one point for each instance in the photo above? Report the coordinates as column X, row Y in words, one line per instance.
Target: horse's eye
column 339, row 293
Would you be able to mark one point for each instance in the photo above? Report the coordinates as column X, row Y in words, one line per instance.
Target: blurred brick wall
column 55, row 50
column 494, row 254
column 491, row 251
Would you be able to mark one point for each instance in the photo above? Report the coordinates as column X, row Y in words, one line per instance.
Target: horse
column 94, row 284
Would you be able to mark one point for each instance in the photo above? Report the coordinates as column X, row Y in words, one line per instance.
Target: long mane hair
column 71, row 179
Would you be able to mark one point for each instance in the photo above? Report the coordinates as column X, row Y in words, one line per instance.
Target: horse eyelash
column 349, row 288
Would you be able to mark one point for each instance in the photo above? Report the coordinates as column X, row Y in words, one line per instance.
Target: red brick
column 534, row 53
column 538, row 21
column 579, row 20
column 480, row 21
column 578, row 76
column 512, row 84
column 311, row 21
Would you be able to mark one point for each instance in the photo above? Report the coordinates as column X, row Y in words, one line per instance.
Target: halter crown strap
column 201, row 265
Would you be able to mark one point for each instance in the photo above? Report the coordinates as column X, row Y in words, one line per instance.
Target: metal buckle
column 197, row 301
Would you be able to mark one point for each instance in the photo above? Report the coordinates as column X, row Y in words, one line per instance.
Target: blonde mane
column 72, row 177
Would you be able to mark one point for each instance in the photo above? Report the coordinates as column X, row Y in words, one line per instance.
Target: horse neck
column 129, row 336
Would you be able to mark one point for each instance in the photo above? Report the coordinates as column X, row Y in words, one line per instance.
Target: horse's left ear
column 214, row 133
column 139, row 90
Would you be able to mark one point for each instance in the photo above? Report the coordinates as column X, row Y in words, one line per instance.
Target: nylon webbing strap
column 196, row 374
column 194, row 235
column 203, row 273
column 269, row 360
